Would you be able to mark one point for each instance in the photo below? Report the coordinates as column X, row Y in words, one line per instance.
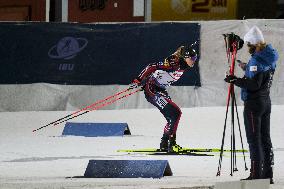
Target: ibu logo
column 67, row 48
column 66, row 67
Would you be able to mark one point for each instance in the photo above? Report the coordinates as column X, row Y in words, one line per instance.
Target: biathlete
column 155, row 79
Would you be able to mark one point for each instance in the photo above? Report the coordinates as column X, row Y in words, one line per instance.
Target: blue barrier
column 96, row 129
column 128, row 169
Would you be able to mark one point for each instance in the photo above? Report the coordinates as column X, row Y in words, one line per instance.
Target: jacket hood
column 268, row 56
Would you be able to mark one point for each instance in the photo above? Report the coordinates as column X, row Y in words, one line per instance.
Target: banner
column 181, row 10
column 89, row 54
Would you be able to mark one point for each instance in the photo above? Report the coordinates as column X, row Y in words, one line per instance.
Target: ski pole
column 230, row 94
column 246, row 168
column 98, row 107
column 85, row 108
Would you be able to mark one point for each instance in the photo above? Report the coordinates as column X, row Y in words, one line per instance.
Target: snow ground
column 45, row 159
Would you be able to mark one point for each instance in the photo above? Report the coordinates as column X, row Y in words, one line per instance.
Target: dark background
column 114, row 54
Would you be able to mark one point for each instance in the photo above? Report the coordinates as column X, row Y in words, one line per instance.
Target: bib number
column 161, row 101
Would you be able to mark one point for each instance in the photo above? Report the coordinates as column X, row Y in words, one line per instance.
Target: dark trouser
column 167, row 107
column 257, row 125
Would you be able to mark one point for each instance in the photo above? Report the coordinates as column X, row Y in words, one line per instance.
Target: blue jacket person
column 255, row 92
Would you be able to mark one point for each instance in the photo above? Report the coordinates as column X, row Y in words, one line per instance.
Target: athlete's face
column 189, row 62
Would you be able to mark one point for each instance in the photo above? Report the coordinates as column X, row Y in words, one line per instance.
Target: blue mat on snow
column 96, row 129
column 128, row 169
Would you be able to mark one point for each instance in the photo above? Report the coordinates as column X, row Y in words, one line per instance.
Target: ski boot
column 173, row 147
column 255, row 171
column 164, row 143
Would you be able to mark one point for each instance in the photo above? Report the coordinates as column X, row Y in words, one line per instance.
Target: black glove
column 230, row 79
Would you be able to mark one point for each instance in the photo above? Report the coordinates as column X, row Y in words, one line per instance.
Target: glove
column 230, row 79
column 134, row 84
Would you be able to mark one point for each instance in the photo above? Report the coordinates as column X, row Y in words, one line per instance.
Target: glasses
column 193, row 58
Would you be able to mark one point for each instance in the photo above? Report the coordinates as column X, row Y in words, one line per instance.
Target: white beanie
column 254, row 36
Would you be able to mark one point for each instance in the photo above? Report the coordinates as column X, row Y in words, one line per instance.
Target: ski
column 182, row 150
column 179, row 153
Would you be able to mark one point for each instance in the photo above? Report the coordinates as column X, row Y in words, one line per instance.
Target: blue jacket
column 258, row 74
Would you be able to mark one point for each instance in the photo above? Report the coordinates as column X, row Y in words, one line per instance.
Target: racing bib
column 161, row 101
